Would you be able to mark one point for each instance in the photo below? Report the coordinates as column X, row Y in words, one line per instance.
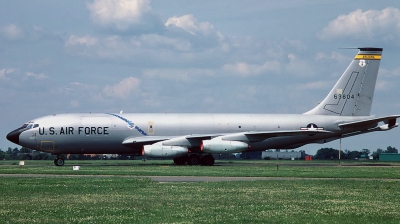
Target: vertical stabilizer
column 352, row 95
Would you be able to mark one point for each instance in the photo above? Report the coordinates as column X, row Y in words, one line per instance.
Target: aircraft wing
column 202, row 136
column 145, row 140
column 261, row 136
column 241, row 136
column 167, row 140
column 390, row 122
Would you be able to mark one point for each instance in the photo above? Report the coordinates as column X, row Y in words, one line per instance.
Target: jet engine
column 160, row 151
column 220, row 146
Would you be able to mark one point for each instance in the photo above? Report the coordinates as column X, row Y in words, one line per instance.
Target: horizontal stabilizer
column 389, row 120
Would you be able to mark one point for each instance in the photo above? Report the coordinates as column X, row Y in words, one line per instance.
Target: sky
column 272, row 57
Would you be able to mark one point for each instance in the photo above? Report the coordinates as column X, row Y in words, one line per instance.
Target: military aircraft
column 193, row 138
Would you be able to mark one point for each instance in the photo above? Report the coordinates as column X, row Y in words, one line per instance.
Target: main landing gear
column 195, row 159
column 59, row 161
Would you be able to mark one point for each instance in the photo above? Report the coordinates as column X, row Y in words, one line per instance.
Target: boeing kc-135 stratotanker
column 192, row 138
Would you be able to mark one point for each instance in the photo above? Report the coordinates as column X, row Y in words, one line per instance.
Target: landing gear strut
column 59, row 161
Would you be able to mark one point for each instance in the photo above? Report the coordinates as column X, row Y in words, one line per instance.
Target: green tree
column 11, row 153
column 391, row 149
column 376, row 153
column 15, row 152
column 346, row 153
column 328, row 153
column 365, row 151
column 354, row 155
column 41, row 156
column 9, row 150
column 2, row 155
column 24, row 156
column 25, row 150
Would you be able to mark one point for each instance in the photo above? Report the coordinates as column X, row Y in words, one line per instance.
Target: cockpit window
column 28, row 126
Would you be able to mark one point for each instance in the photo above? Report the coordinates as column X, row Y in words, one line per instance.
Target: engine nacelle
column 160, row 151
column 220, row 146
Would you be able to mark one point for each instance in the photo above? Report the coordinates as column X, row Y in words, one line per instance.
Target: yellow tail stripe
column 368, row 57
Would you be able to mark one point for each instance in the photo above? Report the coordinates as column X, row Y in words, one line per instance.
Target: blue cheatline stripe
column 131, row 125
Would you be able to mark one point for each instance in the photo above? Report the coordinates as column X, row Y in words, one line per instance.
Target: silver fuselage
column 106, row 133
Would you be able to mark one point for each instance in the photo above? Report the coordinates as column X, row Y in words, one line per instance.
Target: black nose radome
column 14, row 136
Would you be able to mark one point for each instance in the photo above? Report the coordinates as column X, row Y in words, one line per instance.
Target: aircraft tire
column 207, row 160
column 180, row 161
column 59, row 162
column 193, row 160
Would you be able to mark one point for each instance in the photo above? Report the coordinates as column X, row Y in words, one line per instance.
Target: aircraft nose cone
column 14, row 136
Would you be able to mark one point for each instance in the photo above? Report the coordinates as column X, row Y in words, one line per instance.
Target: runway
column 164, row 179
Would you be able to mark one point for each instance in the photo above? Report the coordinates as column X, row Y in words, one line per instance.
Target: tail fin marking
column 353, row 93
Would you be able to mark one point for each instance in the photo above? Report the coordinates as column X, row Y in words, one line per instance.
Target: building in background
column 389, row 157
column 280, row 155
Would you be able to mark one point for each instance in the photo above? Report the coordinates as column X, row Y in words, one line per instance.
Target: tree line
column 323, row 153
column 24, row 154
column 330, row 153
column 29, row 154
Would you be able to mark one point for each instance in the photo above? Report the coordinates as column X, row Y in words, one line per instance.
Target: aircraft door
column 47, row 146
column 150, row 127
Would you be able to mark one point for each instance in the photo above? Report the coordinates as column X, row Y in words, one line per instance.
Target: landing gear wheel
column 180, row 161
column 59, row 162
column 193, row 160
column 207, row 160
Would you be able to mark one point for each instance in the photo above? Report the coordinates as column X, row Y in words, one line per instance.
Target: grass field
column 139, row 200
column 260, row 168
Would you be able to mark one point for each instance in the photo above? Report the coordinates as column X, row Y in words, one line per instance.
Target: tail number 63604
column 343, row 96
